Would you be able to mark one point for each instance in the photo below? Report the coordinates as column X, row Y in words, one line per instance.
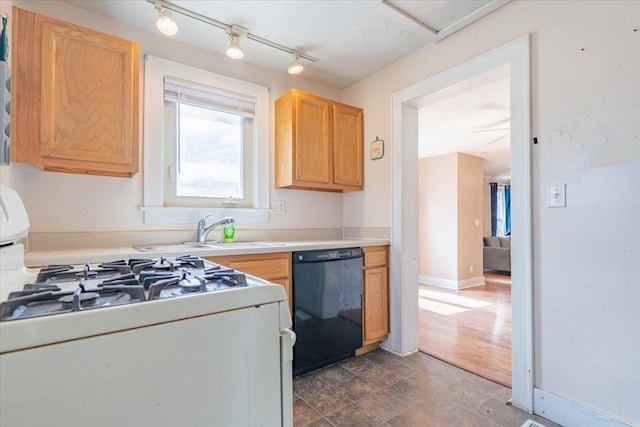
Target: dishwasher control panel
column 326, row 255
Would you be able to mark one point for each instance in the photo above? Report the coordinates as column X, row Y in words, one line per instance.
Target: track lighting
column 295, row 67
column 234, row 50
column 165, row 23
column 168, row 26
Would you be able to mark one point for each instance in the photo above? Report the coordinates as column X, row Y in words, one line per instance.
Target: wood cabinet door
column 312, row 152
column 85, row 87
column 347, row 147
column 375, row 305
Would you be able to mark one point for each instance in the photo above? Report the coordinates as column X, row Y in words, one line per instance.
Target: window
column 500, row 212
column 206, row 145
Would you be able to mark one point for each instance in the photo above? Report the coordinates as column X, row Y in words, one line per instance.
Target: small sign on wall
column 376, row 149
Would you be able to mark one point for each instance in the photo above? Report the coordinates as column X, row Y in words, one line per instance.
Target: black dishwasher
column 327, row 307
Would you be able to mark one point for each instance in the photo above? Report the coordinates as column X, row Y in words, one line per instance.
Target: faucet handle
column 203, row 220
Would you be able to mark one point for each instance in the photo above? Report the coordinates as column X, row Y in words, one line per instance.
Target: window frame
column 154, row 209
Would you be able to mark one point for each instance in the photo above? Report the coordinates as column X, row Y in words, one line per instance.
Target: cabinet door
column 347, row 147
column 375, row 305
column 80, row 90
column 312, row 153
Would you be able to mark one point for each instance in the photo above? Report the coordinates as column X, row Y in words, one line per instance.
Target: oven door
column 222, row 369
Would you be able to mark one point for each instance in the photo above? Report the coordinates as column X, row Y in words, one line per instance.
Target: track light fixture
column 168, row 26
column 234, row 50
column 165, row 23
column 295, row 67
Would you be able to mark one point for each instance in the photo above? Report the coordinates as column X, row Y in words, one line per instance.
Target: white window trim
column 153, row 208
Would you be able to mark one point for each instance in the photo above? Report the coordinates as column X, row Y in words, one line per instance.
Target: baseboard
column 452, row 284
column 568, row 413
column 397, row 353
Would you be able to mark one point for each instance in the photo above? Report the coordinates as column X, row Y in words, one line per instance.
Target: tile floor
column 382, row 389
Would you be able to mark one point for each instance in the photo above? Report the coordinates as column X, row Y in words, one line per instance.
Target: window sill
column 180, row 215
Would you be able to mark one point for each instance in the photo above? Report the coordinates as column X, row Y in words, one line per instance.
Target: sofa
column 497, row 253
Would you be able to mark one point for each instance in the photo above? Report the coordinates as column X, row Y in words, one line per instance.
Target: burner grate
column 62, row 288
column 48, row 302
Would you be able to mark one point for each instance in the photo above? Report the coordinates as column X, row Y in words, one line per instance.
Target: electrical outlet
column 279, row 207
column 471, row 269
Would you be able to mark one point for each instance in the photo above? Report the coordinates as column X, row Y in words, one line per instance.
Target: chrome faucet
column 203, row 232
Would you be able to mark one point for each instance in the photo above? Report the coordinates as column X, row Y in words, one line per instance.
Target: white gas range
column 144, row 342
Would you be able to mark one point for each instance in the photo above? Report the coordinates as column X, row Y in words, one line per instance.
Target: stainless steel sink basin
column 191, row 246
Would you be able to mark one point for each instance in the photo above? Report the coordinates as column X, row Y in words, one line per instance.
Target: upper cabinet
column 319, row 144
column 77, row 109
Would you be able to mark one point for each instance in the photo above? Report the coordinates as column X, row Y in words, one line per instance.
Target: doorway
column 404, row 242
column 463, row 146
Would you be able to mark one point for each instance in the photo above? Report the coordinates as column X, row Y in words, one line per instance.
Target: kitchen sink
column 206, row 246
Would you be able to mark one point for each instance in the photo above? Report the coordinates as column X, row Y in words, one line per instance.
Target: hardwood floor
column 470, row 328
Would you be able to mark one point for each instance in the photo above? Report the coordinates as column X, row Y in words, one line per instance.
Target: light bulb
column 295, row 67
column 234, row 50
column 165, row 23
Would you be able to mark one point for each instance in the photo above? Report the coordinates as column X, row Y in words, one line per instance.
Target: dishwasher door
column 327, row 307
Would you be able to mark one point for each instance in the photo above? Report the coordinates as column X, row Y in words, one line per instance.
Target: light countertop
column 81, row 256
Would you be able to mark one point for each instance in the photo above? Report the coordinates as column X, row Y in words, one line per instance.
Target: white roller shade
column 210, row 97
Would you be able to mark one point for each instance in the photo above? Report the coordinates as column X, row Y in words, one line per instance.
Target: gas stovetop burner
column 213, row 279
column 86, row 298
column 164, row 265
column 190, row 283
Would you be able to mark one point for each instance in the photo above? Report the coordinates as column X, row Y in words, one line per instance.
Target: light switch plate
column 557, row 196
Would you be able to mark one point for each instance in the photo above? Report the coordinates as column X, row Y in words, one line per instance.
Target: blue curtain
column 507, row 210
column 494, row 207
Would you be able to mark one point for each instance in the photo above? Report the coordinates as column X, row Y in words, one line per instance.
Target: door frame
column 404, row 240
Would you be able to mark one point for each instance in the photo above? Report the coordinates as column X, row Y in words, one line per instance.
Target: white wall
column 586, row 115
column 469, row 211
column 449, row 203
column 66, row 202
column 438, row 216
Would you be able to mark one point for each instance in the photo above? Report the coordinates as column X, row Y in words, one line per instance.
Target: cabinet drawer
column 286, row 284
column 374, row 258
column 265, row 269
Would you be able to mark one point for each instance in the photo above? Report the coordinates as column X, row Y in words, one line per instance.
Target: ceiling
column 351, row 38
column 473, row 117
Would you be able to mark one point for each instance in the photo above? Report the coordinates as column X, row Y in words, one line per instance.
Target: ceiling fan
column 490, row 130
column 495, row 126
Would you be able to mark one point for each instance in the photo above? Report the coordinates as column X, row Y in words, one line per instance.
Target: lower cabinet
column 274, row 267
column 375, row 297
